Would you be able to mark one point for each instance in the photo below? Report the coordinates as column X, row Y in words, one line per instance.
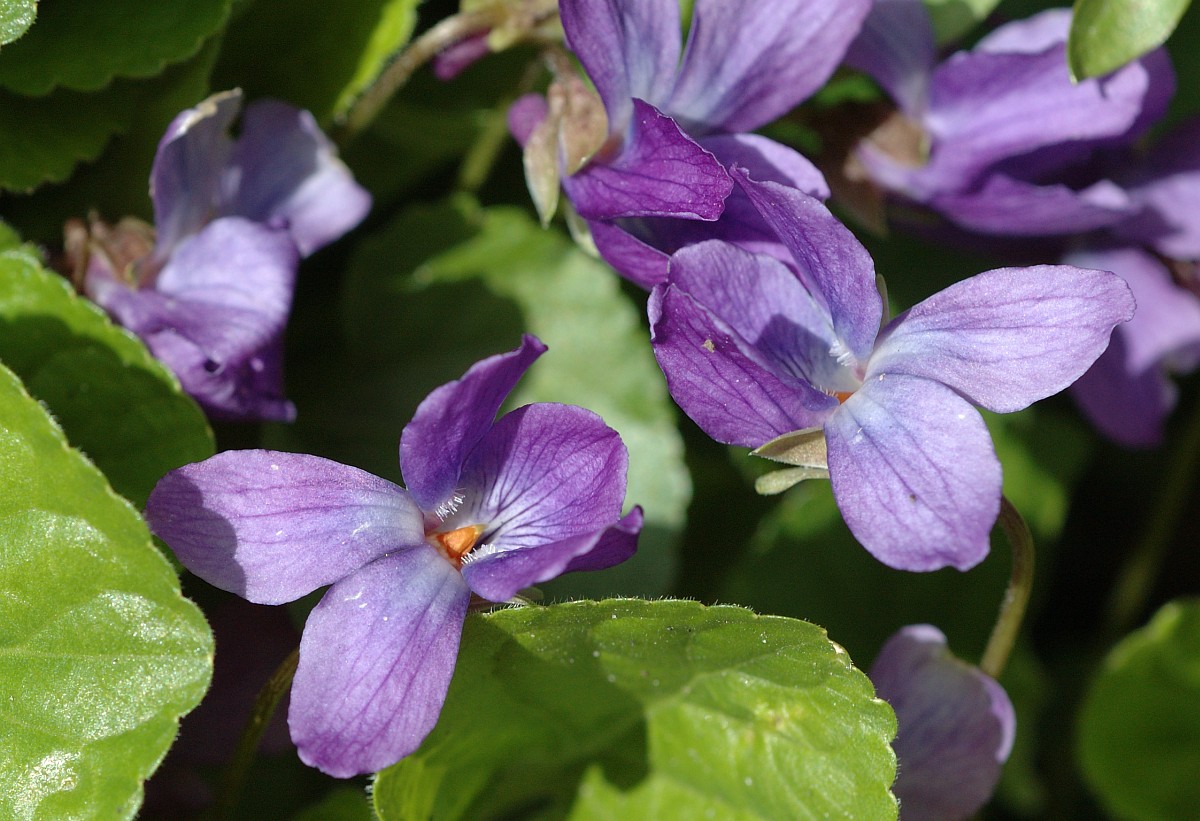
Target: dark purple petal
column 767, row 161
column 189, row 169
column 215, row 315
column 500, row 575
column 750, row 61
column 1169, row 190
column 285, row 171
column 764, row 303
column 1009, row 337
column 1129, row 407
column 659, row 171
column 630, row 48
column 543, row 473
column 272, row 526
column 721, row 381
column 896, row 47
column 455, row 59
column 956, row 726
column 914, row 473
column 832, row 263
column 633, row 258
column 376, row 659
column 452, row 420
column 1010, row 207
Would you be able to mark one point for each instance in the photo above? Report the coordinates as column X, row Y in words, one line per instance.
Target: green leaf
column 1139, row 728
column 115, row 401
column 83, row 45
column 446, row 285
column 1107, row 34
column 342, row 804
column 16, row 16
column 99, row 653
column 954, row 18
column 636, row 709
column 397, row 20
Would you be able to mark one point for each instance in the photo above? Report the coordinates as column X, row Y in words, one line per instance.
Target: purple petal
column 896, row 47
column 956, row 726
column 526, row 114
column 500, row 575
column 721, row 381
column 914, row 473
column 633, row 258
column 189, row 167
column 456, row 58
column 767, row 161
column 1033, row 35
column 1010, row 207
column 272, row 527
column 659, row 171
column 543, row 473
column 452, row 420
column 630, row 48
column 285, row 170
column 216, row 316
column 750, row 61
column 1129, row 407
column 376, row 659
column 1009, row 337
column 1169, row 189
column 833, row 264
column 764, row 303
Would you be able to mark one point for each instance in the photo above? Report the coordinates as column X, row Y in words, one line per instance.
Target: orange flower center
column 458, row 542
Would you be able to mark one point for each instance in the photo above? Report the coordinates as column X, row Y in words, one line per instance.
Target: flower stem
column 1016, row 596
column 234, row 777
column 1136, row 579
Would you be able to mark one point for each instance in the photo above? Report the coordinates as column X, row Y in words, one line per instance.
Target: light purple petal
column 914, row 473
column 525, row 114
column 896, row 47
column 500, row 575
column 720, row 381
column 216, row 316
column 750, row 61
column 630, row 48
column 376, row 659
column 956, row 726
column 272, row 526
column 1033, row 35
column 543, row 473
column 185, row 182
column 1010, row 207
column 659, row 171
column 764, row 303
column 452, row 420
column 1008, row 337
column 284, row 170
column 1129, row 407
column 832, row 263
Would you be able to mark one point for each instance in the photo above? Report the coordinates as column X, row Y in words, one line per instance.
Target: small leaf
column 116, row 402
column 954, row 18
column 83, row 45
column 1139, row 729
column 16, row 16
column 802, row 448
column 397, row 20
column 636, row 709
column 99, row 652
column 1107, row 34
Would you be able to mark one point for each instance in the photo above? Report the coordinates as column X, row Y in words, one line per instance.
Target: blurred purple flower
column 999, row 140
column 647, row 160
column 956, row 726
column 492, row 507
column 209, row 290
column 754, row 349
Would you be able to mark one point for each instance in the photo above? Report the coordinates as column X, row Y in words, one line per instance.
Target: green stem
column 1016, row 597
column 1136, row 579
column 234, row 777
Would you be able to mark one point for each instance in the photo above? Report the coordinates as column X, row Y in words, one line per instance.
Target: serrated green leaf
column 99, row 653
column 16, row 16
column 1139, row 728
column 636, row 709
column 1107, row 34
column 397, row 20
column 116, row 402
column 954, row 18
column 83, row 45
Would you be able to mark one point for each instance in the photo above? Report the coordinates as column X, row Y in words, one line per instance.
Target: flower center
column 457, row 543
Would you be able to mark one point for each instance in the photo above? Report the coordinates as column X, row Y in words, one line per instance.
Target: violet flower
column 956, row 726
column 209, row 290
column 648, row 159
column 998, row 139
column 754, row 349
column 491, row 507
